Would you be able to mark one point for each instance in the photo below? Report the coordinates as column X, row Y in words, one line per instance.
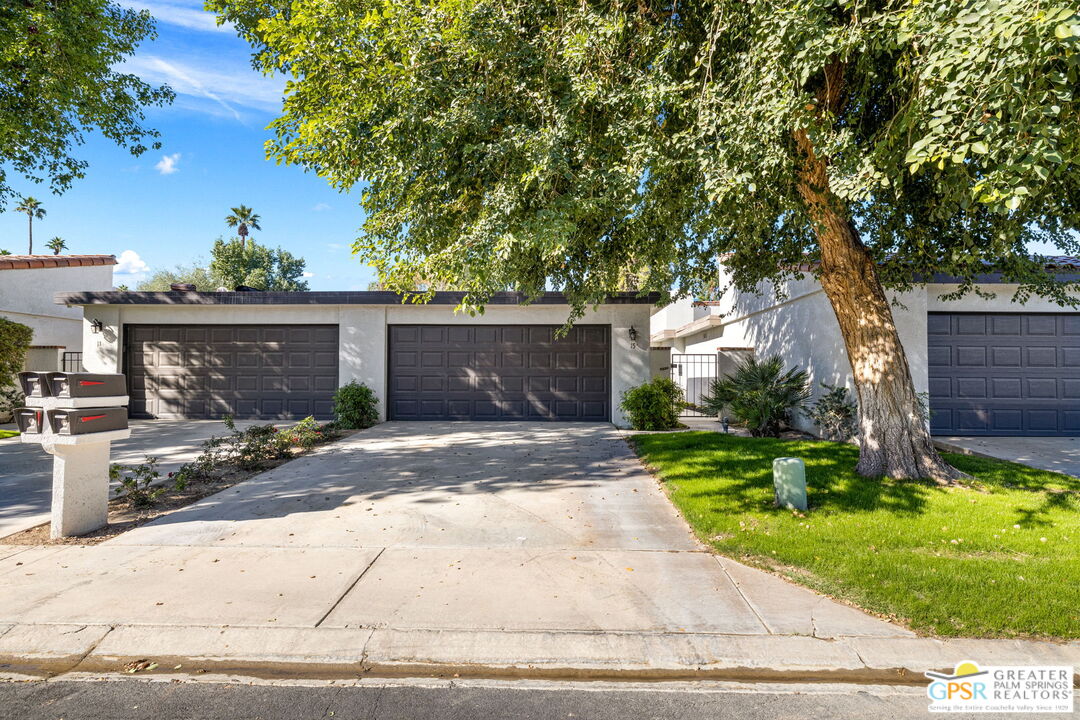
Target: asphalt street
column 136, row 699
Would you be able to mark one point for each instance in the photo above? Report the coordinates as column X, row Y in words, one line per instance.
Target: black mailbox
column 29, row 420
column 88, row 420
column 85, row 385
column 34, row 384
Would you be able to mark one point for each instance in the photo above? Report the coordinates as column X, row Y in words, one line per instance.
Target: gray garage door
column 499, row 372
column 249, row 371
column 1004, row 373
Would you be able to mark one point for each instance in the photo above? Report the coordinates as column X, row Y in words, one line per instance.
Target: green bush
column 653, row 405
column 759, row 395
column 355, row 406
column 137, row 482
column 305, row 434
column 14, row 342
column 834, row 414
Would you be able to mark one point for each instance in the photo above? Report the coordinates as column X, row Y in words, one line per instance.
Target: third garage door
column 1004, row 373
column 499, row 372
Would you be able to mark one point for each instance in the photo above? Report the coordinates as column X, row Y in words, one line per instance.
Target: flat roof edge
column 376, row 297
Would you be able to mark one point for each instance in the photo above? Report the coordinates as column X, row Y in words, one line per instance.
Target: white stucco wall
column 363, row 334
column 26, row 296
column 803, row 329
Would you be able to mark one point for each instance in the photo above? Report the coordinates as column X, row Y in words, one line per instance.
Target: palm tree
column 56, row 245
column 243, row 218
column 32, row 208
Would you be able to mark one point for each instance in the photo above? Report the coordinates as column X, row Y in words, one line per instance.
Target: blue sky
column 168, row 206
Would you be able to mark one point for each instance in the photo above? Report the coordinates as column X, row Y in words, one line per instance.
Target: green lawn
column 8, row 433
column 998, row 559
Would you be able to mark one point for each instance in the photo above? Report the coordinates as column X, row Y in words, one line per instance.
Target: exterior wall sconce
column 633, row 336
column 96, row 326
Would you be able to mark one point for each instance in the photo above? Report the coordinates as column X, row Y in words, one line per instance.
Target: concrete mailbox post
column 75, row 417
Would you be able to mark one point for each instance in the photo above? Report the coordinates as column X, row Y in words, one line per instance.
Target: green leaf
column 979, row 147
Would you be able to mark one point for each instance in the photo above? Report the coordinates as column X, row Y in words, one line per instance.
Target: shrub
column 653, row 405
column 355, row 406
column 14, row 342
column 834, row 414
column 137, row 482
column 305, row 434
column 759, row 395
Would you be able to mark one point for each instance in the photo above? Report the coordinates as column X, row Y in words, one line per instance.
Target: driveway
column 1060, row 454
column 26, row 469
column 479, row 527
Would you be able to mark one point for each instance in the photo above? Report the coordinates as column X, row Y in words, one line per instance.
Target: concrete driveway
column 1060, row 454
column 504, row 527
column 26, row 469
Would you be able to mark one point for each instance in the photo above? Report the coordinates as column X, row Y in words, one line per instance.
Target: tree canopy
column 197, row 274
column 588, row 146
column 58, row 81
column 240, row 262
column 532, row 142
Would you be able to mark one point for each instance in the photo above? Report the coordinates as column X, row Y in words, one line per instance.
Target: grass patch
column 998, row 559
column 8, row 433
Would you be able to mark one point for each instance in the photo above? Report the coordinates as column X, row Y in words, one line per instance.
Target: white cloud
column 226, row 85
column 129, row 263
column 307, row 274
column 167, row 164
column 320, row 207
column 189, row 15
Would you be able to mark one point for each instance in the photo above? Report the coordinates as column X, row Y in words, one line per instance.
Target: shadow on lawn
column 742, row 469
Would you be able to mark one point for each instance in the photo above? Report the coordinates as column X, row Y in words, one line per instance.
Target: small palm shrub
column 653, row 405
column 355, row 406
column 759, row 395
column 834, row 414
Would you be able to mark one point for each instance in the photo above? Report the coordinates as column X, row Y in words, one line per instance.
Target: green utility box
column 789, row 478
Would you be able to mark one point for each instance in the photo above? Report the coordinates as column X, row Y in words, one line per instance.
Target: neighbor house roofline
column 377, row 297
column 35, row 262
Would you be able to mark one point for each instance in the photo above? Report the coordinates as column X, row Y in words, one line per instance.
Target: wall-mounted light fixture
column 633, row 336
column 96, row 326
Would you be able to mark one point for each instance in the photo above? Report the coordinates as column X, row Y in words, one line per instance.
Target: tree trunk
column 894, row 440
column 893, row 437
column 30, row 220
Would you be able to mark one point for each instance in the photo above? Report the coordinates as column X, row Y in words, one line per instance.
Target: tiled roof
column 30, row 262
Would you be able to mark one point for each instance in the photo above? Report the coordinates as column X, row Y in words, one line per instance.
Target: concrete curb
column 337, row 653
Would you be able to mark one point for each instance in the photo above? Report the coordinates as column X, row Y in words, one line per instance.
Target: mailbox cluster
column 75, row 417
column 65, row 416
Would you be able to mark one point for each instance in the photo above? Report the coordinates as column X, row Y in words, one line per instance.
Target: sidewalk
column 458, row 549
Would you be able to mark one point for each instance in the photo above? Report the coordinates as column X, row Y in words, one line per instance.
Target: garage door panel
column 250, row 372
column 1003, row 373
column 494, row 372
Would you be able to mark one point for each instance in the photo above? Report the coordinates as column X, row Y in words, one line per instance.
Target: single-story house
column 988, row 366
column 281, row 355
column 27, row 286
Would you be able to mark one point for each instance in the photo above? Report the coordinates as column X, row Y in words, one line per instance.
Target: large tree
column 240, row 262
column 537, row 142
column 59, row 80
